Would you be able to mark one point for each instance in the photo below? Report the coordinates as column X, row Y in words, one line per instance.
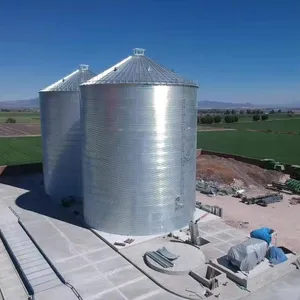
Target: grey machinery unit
column 139, row 148
column 61, row 134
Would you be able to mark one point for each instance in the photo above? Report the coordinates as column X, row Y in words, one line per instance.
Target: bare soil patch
column 225, row 170
column 19, row 129
column 282, row 216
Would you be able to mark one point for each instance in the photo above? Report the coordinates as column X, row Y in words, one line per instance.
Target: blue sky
column 238, row 50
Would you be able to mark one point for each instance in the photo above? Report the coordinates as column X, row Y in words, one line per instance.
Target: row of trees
column 241, row 112
column 209, row 119
column 258, row 117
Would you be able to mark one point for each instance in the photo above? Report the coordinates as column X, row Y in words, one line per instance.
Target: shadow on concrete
column 63, row 179
column 40, row 203
column 26, row 181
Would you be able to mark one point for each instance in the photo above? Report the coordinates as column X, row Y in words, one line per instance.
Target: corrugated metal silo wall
column 61, row 137
column 139, row 157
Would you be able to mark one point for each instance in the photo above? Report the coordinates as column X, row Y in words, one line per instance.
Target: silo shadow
column 36, row 200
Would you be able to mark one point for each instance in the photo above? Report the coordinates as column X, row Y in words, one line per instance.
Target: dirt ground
column 282, row 217
column 15, row 130
column 225, row 170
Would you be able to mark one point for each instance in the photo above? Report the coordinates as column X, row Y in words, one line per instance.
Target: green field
column 285, row 125
column 284, row 148
column 20, row 117
column 20, row 150
column 281, row 147
column 283, row 116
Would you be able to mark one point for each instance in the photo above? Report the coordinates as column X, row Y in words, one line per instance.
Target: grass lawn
column 282, row 147
column 20, row 150
column 21, row 117
column 284, row 125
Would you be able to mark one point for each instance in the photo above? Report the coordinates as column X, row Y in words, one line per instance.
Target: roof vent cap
column 139, row 51
column 83, row 67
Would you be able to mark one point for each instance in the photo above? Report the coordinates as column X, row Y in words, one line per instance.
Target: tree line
column 209, row 119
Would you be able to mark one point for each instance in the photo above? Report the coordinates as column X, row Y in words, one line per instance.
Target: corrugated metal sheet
column 139, row 153
column 62, row 135
column 71, row 82
column 139, row 69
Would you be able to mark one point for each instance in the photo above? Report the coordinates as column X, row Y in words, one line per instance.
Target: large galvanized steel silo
column 61, row 134
column 139, row 148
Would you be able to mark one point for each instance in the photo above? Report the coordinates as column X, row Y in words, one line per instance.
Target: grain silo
column 61, row 134
column 139, row 148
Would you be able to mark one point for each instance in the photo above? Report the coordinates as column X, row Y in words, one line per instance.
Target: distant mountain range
column 223, row 105
column 34, row 104
column 21, row 104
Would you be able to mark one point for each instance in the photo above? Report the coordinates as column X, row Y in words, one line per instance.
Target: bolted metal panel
column 139, row 69
column 139, row 156
column 61, row 135
column 71, row 82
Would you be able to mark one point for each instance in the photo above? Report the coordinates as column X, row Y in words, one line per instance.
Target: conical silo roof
column 71, row 82
column 139, row 69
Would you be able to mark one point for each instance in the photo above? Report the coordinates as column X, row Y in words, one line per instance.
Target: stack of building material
column 212, row 188
column 263, row 200
column 291, row 185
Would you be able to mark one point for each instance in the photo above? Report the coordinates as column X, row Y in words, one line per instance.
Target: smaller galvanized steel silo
column 61, row 134
column 139, row 148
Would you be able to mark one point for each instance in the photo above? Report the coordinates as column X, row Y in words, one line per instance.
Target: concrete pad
column 113, row 295
column 41, row 226
column 83, row 275
column 14, row 293
column 58, row 292
column 7, row 273
column 102, row 254
column 236, row 241
column 113, row 264
column 62, row 250
column 90, row 289
column 163, row 295
column 213, row 240
column 206, row 229
column 183, row 264
column 123, row 275
column 287, row 287
column 223, row 247
column 261, row 275
column 176, row 283
column 142, row 288
column 81, row 238
column 202, row 275
column 224, row 236
column 210, row 252
column 71, row 264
